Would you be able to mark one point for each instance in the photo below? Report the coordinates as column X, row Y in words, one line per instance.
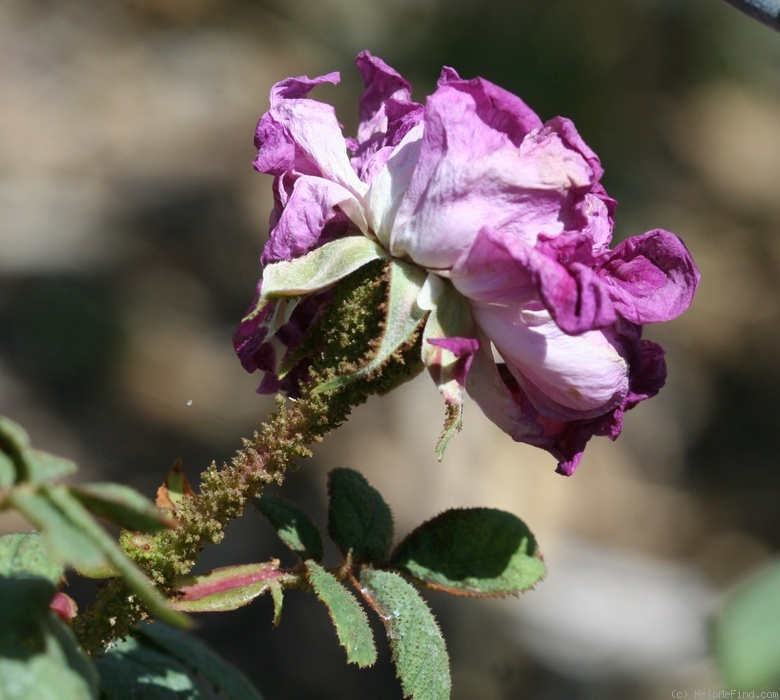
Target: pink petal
column 386, row 114
column 503, row 269
column 567, row 377
column 303, row 135
column 653, row 277
column 479, row 166
column 313, row 204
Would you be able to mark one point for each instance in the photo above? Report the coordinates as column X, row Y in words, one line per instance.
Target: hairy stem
column 339, row 344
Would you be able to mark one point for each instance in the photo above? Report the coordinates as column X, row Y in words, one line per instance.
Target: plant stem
column 340, row 343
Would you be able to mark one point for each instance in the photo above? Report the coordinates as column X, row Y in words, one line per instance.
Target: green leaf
column 348, row 616
column 122, row 506
column 278, row 597
column 163, row 664
column 25, row 603
column 39, row 656
column 81, row 521
column 359, row 520
column 132, row 669
column 228, row 588
column 73, row 536
column 14, row 443
column 420, row 655
column 319, row 268
column 28, row 580
column 7, row 475
column 402, row 318
column 293, row 526
column 65, row 541
column 43, row 466
column 61, row 638
column 24, row 553
column 29, row 464
column 53, row 669
column 223, row 676
column 747, row 633
column 472, row 551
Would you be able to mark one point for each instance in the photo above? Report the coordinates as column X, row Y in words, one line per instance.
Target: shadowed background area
column 131, row 224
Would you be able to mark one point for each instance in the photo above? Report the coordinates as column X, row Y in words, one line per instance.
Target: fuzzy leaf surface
column 472, row 551
column 420, row 655
column 294, row 527
column 319, row 268
column 347, row 615
column 64, row 540
column 359, row 520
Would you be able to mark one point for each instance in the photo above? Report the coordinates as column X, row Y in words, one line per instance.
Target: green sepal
column 294, row 527
column 175, row 489
column 450, row 317
column 418, row 648
column 277, row 595
column 402, row 319
column 319, row 268
column 472, row 551
column 359, row 520
column 227, row 588
column 122, row 506
column 747, row 633
column 275, row 313
column 348, row 616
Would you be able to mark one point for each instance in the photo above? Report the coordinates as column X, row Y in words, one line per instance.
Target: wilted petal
column 499, row 233
column 449, row 373
column 504, row 402
column 496, row 107
column 303, row 135
column 502, row 269
column 566, row 376
column 501, row 400
column 391, row 184
column 314, row 203
column 653, row 277
column 478, row 166
column 385, row 90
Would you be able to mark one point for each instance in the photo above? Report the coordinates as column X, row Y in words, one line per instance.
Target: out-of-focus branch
column 766, row 11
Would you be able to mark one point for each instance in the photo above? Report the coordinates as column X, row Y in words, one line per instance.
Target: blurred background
column 131, row 222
